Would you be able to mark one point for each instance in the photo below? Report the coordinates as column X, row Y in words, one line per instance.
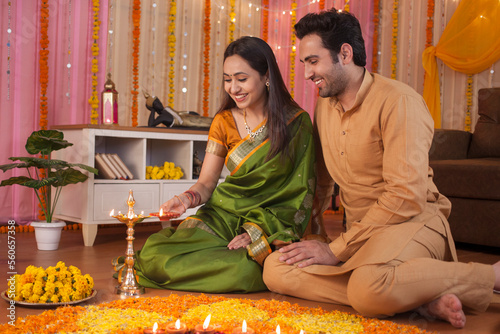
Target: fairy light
column 68, row 63
column 153, row 51
column 184, row 58
column 9, row 32
column 111, row 36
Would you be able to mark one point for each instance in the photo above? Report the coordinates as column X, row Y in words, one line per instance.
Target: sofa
column 467, row 171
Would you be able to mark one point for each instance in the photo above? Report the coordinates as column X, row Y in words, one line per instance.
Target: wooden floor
column 110, row 242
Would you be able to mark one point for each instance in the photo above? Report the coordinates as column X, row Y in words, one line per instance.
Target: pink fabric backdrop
column 19, row 113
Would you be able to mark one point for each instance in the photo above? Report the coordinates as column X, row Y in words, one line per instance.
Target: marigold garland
column 376, row 33
column 133, row 315
column 468, row 94
column 394, row 45
column 206, row 58
column 430, row 23
column 94, row 98
column 136, row 41
column 321, row 4
column 232, row 20
column 347, row 6
column 171, row 51
column 292, row 52
column 265, row 20
column 44, row 82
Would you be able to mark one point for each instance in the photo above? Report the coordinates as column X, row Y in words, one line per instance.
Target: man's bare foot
column 447, row 308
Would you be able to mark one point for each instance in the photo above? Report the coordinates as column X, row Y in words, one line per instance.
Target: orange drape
column 470, row 43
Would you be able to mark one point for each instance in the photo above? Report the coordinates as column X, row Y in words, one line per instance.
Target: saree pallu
column 270, row 199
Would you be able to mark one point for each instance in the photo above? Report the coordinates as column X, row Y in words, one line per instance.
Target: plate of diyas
column 165, row 216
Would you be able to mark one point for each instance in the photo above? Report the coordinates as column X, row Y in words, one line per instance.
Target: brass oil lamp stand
column 129, row 287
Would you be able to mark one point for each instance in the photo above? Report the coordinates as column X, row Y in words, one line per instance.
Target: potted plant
column 44, row 174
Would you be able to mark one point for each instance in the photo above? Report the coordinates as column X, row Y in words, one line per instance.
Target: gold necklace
column 250, row 133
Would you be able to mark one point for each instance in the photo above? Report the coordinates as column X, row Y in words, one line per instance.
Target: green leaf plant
column 58, row 173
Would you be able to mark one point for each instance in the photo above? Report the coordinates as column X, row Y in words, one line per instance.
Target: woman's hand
column 176, row 204
column 240, row 241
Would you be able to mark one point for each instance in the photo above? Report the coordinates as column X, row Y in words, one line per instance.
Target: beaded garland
column 136, row 40
column 394, row 45
column 94, row 98
column 376, row 34
column 44, row 81
column 171, row 52
column 206, row 58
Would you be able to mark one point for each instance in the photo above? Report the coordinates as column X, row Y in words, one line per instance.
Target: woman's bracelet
column 194, row 197
column 185, row 209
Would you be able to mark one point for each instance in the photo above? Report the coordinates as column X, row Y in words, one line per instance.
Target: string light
column 9, row 32
column 111, row 36
column 153, row 51
column 68, row 64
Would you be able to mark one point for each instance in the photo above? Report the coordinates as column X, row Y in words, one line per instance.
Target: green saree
column 269, row 199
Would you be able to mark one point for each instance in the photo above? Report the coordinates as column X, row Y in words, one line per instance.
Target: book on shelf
column 104, row 170
column 110, row 166
column 107, row 160
column 124, row 168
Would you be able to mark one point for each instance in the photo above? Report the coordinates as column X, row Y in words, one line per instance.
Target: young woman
column 265, row 140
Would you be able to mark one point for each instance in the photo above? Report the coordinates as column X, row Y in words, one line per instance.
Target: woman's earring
column 267, row 85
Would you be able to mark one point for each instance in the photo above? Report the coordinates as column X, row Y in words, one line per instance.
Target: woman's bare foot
column 447, row 308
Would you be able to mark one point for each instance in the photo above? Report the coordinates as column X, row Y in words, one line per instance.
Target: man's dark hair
column 334, row 28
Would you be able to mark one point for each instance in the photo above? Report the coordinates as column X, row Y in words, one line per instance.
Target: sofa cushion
column 468, row 178
column 486, row 137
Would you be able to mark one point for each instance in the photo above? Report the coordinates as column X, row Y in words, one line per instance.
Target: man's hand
column 308, row 252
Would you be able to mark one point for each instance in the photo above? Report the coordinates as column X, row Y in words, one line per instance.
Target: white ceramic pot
column 47, row 235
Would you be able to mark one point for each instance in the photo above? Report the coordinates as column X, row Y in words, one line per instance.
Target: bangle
column 185, row 209
column 196, row 197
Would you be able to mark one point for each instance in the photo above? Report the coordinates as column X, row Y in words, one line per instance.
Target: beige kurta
column 397, row 252
column 377, row 152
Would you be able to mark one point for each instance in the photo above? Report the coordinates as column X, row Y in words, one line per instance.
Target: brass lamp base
column 129, row 287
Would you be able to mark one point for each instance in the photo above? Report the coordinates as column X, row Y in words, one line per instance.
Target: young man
column 373, row 137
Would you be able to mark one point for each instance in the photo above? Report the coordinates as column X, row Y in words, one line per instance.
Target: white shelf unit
column 91, row 202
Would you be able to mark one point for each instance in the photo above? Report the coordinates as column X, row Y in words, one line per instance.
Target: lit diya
column 165, row 216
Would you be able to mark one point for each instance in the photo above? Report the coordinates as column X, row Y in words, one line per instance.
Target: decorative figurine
column 170, row 117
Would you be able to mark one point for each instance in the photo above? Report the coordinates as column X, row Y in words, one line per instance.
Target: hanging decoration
column 394, row 45
column 376, row 34
column 430, row 23
column 68, row 63
column 468, row 94
column 321, row 4
column 136, row 40
column 44, row 62
column 293, row 20
column 94, row 98
column 111, row 33
column 9, row 32
column 409, row 62
column 171, row 49
column 265, row 20
column 232, row 20
column 206, row 58
column 153, row 43
column 44, row 81
column 347, row 7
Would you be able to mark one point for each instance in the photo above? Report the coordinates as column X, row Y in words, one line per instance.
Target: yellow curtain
column 470, row 43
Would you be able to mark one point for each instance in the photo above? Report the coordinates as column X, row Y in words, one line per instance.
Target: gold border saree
column 270, row 199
